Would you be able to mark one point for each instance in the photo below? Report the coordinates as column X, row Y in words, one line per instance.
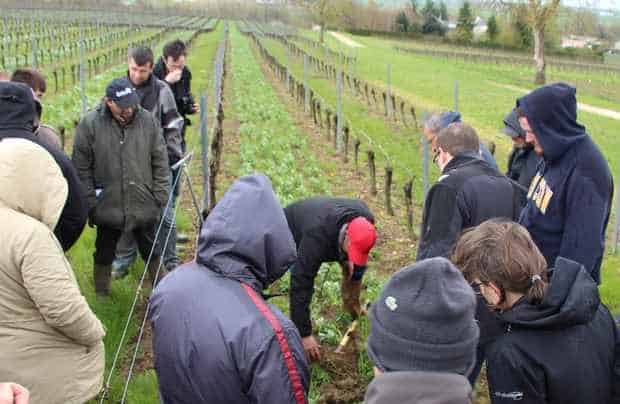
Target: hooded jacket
column 316, row 224
column 124, row 169
column 468, row 193
column 16, row 121
column 418, row 388
column 570, row 197
column 51, row 342
column 157, row 98
column 215, row 339
column 561, row 351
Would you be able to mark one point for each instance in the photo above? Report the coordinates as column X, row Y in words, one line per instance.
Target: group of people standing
column 119, row 179
column 506, row 273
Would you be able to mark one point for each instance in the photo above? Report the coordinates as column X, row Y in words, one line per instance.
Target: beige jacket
column 50, row 340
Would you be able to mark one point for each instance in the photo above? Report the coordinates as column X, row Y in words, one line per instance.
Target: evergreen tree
column 443, row 11
column 492, row 28
column 402, row 22
column 465, row 25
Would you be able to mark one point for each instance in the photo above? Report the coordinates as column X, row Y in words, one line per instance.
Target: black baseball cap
column 122, row 92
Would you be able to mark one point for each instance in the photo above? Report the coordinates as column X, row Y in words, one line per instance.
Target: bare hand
column 13, row 393
column 312, row 348
column 195, row 108
column 174, row 76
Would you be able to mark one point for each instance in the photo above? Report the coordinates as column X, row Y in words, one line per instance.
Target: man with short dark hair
column 156, row 97
column 570, row 198
column 468, row 192
column 171, row 69
column 121, row 159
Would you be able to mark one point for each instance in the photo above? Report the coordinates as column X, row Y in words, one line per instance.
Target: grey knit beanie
column 424, row 321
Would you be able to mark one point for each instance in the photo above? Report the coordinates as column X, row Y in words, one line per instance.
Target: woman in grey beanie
column 423, row 337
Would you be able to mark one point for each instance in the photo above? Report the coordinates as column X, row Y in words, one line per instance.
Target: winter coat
column 316, row 224
column 562, row 351
column 570, row 198
column 124, row 169
column 418, row 388
column 157, row 98
column 468, row 193
column 50, row 340
column 522, row 165
column 16, row 121
column 181, row 89
column 214, row 337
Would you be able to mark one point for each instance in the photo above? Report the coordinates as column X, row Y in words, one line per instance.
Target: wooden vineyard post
column 336, row 131
column 61, row 129
column 393, row 106
column 385, row 103
column 402, row 112
column 345, row 156
column 55, row 81
column 415, row 118
column 388, row 189
column 356, row 155
column 373, row 172
column 319, row 114
column 329, row 123
column 374, row 96
column 366, row 92
column 408, row 188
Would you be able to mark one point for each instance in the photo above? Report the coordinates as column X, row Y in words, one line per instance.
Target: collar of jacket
column 461, row 160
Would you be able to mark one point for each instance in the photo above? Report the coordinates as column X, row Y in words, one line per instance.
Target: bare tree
column 327, row 12
column 539, row 14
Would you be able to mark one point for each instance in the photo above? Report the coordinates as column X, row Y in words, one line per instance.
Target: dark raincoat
column 214, row 337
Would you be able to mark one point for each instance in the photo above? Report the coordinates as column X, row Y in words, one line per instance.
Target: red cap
column 362, row 237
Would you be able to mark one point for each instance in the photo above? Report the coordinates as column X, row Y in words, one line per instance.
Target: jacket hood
column 31, row 182
column 572, row 298
column 246, row 236
column 18, row 107
column 552, row 113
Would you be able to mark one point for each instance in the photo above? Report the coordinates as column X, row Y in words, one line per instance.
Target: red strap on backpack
column 293, row 373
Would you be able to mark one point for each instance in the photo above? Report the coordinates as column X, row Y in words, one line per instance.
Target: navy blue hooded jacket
column 213, row 341
column 562, row 351
column 571, row 195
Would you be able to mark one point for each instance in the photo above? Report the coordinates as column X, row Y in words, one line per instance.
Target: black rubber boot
column 103, row 275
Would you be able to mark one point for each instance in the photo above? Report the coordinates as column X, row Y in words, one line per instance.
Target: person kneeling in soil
column 560, row 344
column 327, row 230
column 215, row 338
column 50, row 340
column 121, row 158
column 423, row 336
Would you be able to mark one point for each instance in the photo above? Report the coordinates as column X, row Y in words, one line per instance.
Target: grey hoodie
column 418, row 388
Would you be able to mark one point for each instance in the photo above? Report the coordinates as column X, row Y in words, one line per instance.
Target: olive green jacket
column 124, row 169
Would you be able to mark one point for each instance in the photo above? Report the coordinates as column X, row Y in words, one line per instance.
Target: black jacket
column 522, row 165
column 468, row 193
column 316, row 224
column 182, row 89
column 562, row 351
column 16, row 120
column 571, row 195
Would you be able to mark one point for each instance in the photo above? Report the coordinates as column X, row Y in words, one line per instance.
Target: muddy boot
column 154, row 265
column 102, row 275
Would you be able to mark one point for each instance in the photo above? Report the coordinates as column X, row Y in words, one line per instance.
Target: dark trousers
column 105, row 243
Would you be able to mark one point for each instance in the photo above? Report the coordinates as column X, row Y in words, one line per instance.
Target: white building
column 579, row 42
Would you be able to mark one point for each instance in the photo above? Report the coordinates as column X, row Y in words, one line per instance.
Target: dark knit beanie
column 424, row 321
